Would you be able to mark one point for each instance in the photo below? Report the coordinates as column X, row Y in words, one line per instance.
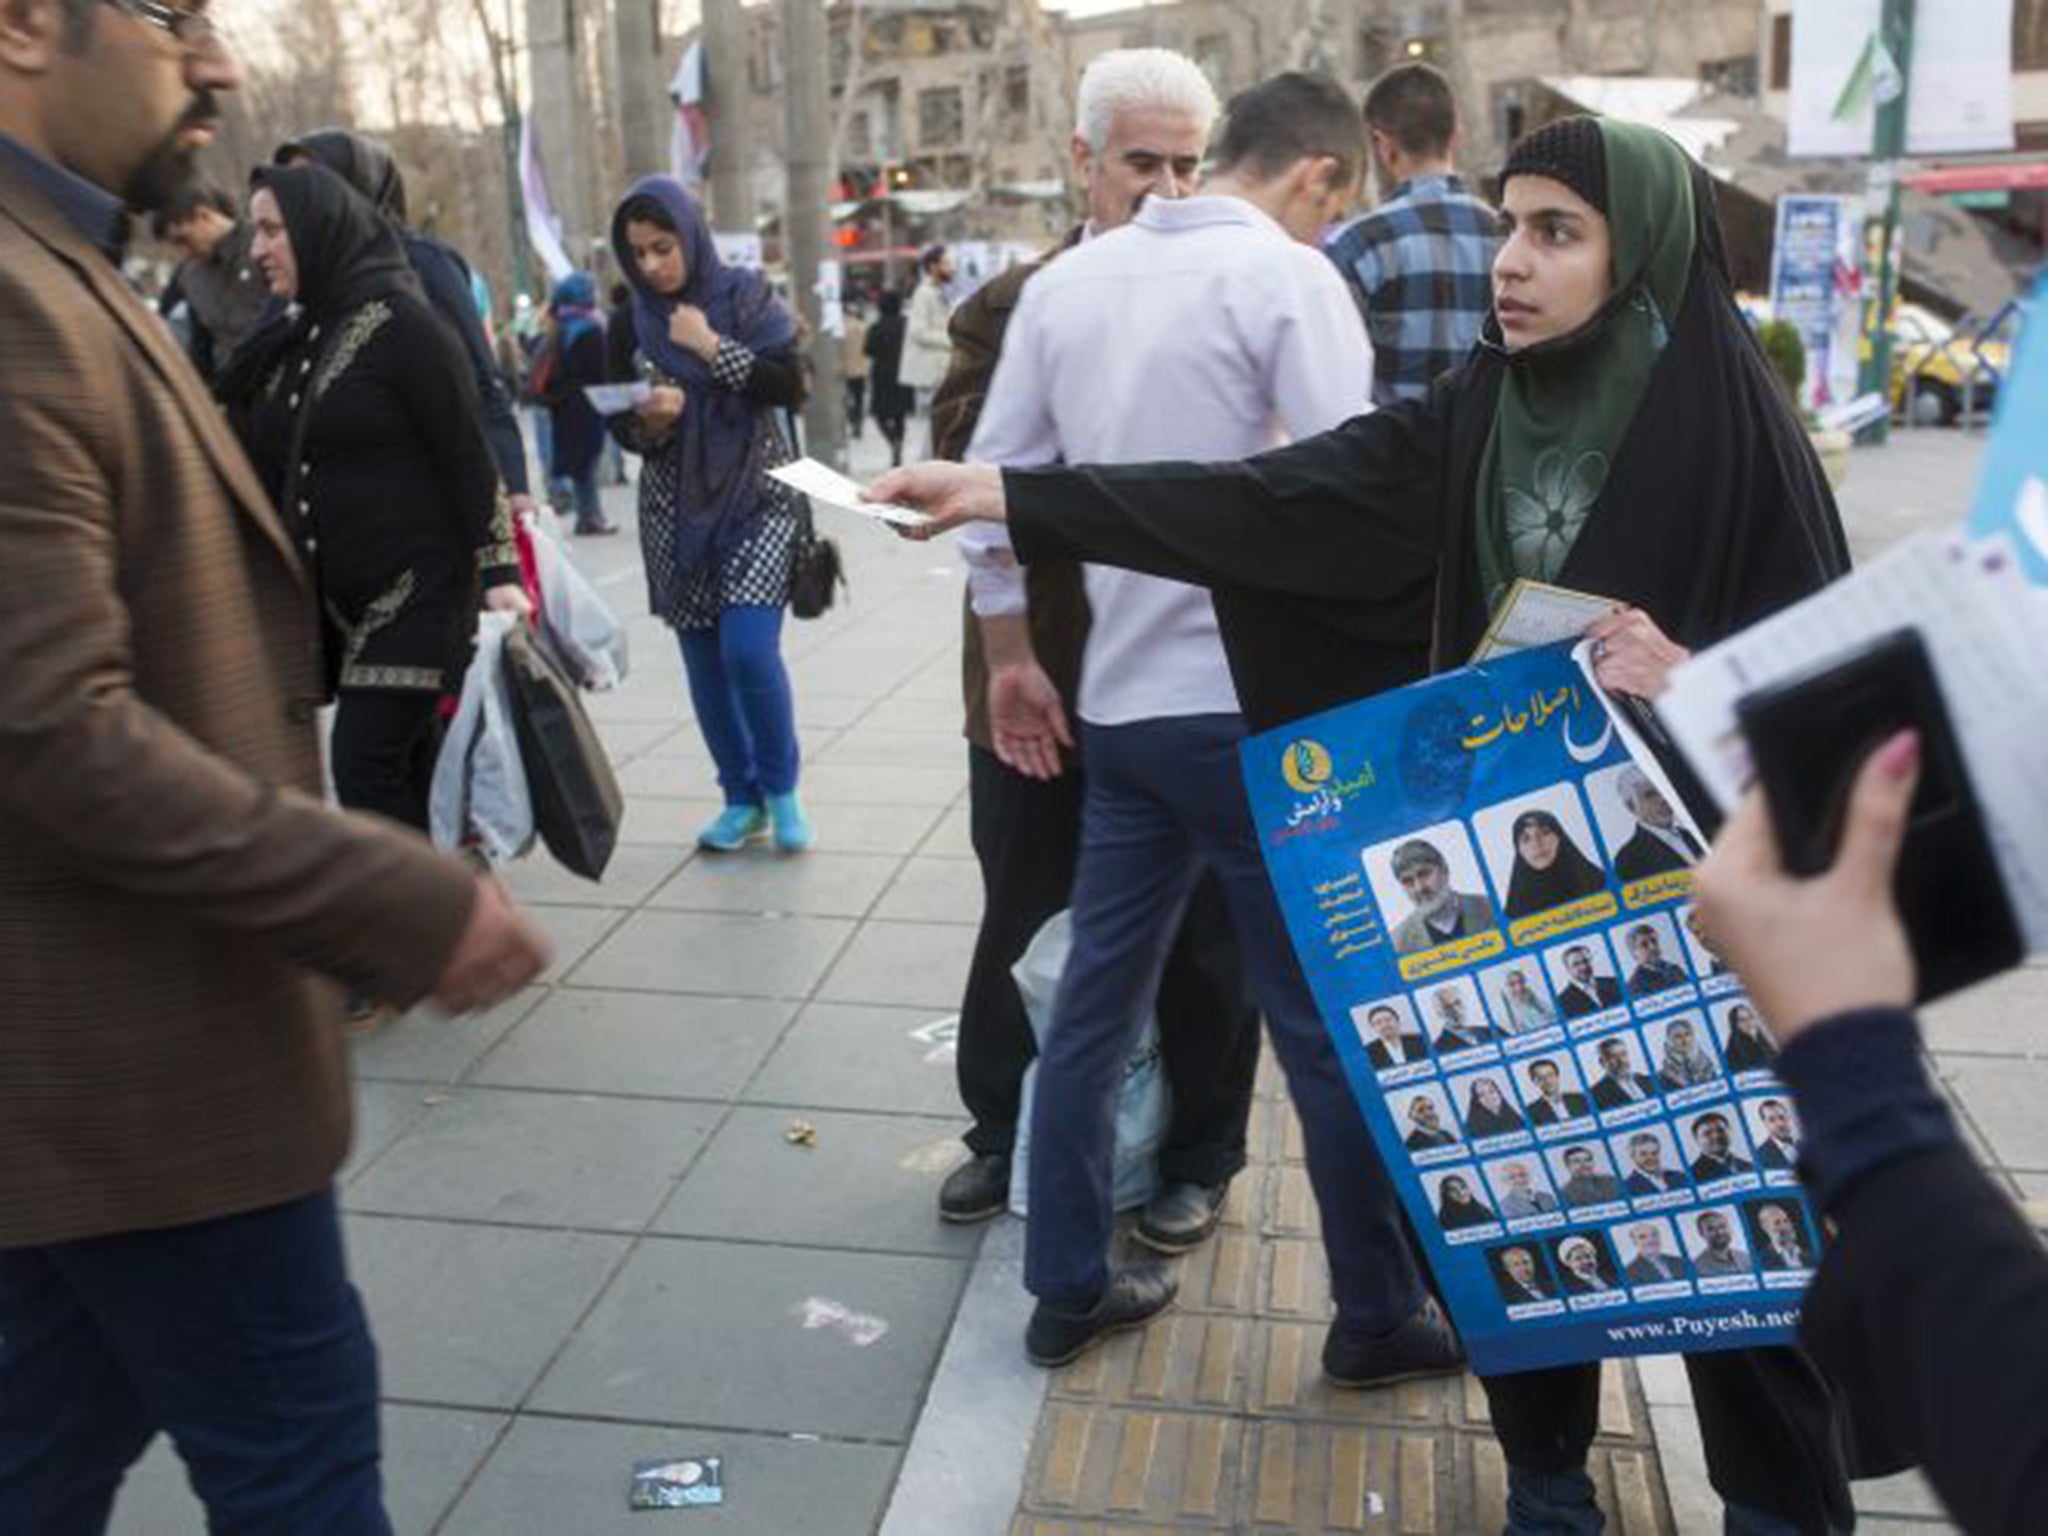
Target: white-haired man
column 1207, row 325
column 1659, row 844
column 1144, row 117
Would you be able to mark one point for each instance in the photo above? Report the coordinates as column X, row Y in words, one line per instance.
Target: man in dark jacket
column 368, row 167
column 1929, row 1311
column 1026, row 828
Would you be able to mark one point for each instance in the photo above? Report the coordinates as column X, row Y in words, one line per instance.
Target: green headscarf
column 1566, row 404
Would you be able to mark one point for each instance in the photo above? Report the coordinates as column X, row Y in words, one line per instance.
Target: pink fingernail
column 1901, row 755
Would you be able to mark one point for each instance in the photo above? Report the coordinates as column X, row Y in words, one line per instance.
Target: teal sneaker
column 733, row 828
column 793, row 831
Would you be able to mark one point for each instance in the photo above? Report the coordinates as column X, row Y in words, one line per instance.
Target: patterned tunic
column 756, row 574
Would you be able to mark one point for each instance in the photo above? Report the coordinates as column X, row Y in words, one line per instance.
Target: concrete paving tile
column 667, row 823
column 2000, row 1018
column 384, row 1112
column 634, row 872
column 874, row 828
column 923, row 964
column 429, row 1454
column 869, row 746
column 934, row 891
column 640, row 704
column 870, row 1182
column 426, row 1046
column 670, row 772
column 844, row 1056
column 843, row 784
column 822, row 709
column 651, row 1043
column 820, row 884
column 574, row 932
column 554, row 1477
column 1908, row 1495
column 2004, row 1098
column 628, row 739
column 537, row 1159
column 1682, row 1459
column 952, row 839
column 731, row 955
column 467, row 1316
column 760, row 1337
column 901, row 713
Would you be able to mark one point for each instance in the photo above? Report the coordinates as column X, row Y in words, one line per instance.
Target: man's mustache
column 204, row 111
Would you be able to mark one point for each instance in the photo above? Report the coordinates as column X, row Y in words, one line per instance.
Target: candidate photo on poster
column 1681, row 1048
column 1649, row 1162
column 1429, row 888
column 1485, row 1105
column 1584, row 1174
column 1553, row 1093
column 1714, row 1239
column 1774, row 1132
column 1518, row 997
column 1423, row 1117
column 1615, row 1073
column 1454, row 1016
column 1699, row 946
column 1639, row 825
column 1582, row 976
column 1746, row 1043
column 1389, row 1032
column 1521, row 1274
column 1717, row 1147
column 1459, row 1199
column 1650, row 1251
column 1778, row 1235
column 1520, row 1187
column 1540, row 851
column 1585, row 1264
column 1649, row 950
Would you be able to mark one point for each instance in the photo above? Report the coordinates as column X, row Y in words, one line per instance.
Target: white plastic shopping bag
column 1143, row 1102
column 586, row 635
column 479, row 792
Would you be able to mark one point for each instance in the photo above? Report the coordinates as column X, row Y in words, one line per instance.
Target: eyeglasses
column 193, row 29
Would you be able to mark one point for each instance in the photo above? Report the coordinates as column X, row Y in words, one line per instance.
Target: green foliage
column 1787, row 353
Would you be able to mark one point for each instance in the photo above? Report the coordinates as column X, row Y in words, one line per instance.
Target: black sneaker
column 1181, row 1216
column 978, row 1189
column 1422, row 1346
column 1136, row 1295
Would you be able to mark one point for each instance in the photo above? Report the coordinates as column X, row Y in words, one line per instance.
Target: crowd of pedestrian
column 1218, row 468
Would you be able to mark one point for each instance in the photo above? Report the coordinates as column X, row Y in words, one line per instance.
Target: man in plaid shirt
column 1420, row 263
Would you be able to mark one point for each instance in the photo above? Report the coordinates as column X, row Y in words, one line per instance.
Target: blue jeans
column 1163, row 799
column 581, row 491
column 240, row 1338
column 1561, row 1504
column 740, row 691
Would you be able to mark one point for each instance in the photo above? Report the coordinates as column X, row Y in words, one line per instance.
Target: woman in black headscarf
column 1488, row 1112
column 1549, row 869
column 1617, row 431
column 1458, row 1208
column 361, row 415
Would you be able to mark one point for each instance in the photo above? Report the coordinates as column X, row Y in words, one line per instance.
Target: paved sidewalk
column 586, row 1238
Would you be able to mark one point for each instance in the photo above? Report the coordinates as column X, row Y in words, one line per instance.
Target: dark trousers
column 1027, row 837
column 241, row 1339
column 382, row 753
column 856, row 405
column 1164, row 798
column 1772, row 1435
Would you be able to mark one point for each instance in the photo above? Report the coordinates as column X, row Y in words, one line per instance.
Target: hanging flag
column 690, row 144
column 543, row 228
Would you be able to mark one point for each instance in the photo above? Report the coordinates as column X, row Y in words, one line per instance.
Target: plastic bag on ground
column 479, row 794
column 1143, row 1101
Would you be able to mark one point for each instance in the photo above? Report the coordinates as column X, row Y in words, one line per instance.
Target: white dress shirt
column 1202, row 331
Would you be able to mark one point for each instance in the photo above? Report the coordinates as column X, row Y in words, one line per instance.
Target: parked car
column 1935, row 368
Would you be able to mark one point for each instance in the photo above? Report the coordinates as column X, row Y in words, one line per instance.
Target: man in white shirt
column 1207, row 327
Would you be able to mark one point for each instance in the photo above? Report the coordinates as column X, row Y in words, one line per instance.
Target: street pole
column 806, row 212
column 725, row 96
column 644, row 112
column 1881, row 218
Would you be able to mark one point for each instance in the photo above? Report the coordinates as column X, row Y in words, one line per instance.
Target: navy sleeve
column 1864, row 1099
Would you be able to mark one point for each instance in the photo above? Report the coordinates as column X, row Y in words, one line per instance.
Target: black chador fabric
column 360, row 413
column 1344, row 565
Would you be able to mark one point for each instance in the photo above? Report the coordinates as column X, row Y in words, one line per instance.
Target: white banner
column 1959, row 96
column 543, row 229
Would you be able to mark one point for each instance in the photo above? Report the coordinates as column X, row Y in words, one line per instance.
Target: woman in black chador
column 1458, row 1208
column 361, row 413
column 1549, row 868
column 1617, row 431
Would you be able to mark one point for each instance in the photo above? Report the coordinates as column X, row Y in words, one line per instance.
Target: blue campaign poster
column 2012, row 496
column 1574, row 1096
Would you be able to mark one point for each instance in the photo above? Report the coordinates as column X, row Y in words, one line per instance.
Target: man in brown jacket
column 176, row 902
column 1141, row 133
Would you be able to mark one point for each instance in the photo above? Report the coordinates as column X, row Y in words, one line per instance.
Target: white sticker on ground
column 858, row 1328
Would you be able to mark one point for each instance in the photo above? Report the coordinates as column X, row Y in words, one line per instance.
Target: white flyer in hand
column 823, row 483
column 616, row 399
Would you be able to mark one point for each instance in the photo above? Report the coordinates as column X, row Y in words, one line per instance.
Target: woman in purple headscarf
column 718, row 535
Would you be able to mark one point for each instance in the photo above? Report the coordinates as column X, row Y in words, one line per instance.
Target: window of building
column 860, row 137
column 941, row 118
column 1212, row 57
column 2030, row 34
column 1017, row 91
column 1730, row 77
column 1781, row 53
